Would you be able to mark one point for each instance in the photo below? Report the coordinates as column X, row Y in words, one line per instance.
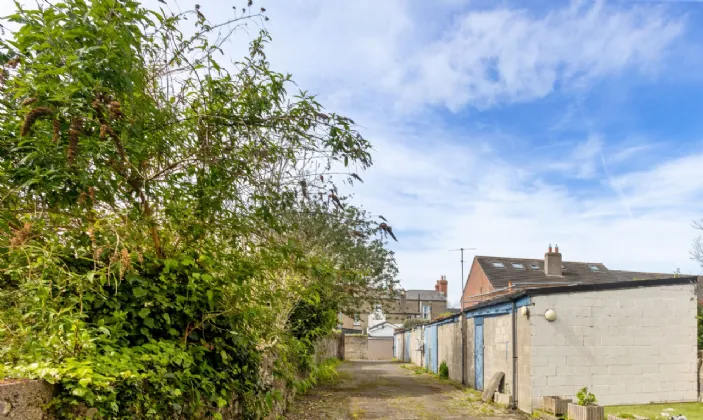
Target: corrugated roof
column 572, row 272
column 424, row 295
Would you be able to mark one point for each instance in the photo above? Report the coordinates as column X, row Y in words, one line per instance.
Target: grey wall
column 629, row 346
column 449, row 350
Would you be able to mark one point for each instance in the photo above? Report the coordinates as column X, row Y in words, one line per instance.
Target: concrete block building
column 630, row 342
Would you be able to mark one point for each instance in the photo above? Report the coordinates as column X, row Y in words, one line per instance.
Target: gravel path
column 391, row 390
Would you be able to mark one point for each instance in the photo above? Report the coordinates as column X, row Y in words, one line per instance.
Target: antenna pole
column 461, row 303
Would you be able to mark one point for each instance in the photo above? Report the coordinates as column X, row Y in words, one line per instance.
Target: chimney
column 436, row 286
column 442, row 285
column 552, row 262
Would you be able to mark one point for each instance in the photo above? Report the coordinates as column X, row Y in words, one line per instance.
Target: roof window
column 534, row 266
column 593, row 267
column 497, row 264
column 518, row 266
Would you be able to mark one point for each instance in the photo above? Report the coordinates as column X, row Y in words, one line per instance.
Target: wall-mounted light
column 550, row 315
column 524, row 311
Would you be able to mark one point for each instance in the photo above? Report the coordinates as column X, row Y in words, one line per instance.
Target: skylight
column 593, row 267
column 498, row 265
column 534, row 266
column 518, row 266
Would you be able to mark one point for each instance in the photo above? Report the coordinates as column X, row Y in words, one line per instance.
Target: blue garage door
column 478, row 352
column 431, row 348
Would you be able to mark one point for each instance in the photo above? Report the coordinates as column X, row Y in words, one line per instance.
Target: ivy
column 173, row 240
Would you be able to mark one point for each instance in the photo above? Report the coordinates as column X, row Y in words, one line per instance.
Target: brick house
column 493, row 276
column 413, row 303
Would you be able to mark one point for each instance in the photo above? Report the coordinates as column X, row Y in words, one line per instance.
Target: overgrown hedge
column 172, row 238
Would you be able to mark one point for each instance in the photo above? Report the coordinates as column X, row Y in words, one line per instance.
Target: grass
column 653, row 411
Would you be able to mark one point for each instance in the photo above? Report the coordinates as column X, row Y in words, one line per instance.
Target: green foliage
column 444, row 370
column 414, row 322
column 171, row 230
column 585, row 397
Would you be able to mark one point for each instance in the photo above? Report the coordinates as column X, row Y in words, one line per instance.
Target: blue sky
column 509, row 125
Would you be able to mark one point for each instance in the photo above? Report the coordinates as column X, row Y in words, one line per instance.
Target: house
column 378, row 326
column 424, row 304
column 492, row 276
column 629, row 341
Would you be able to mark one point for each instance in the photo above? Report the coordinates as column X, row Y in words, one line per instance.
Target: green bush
column 585, row 397
column 444, row 371
column 166, row 247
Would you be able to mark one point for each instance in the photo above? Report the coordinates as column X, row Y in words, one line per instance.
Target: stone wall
column 23, row 400
column 356, row 347
column 449, row 350
column 361, row 347
column 630, row 346
column 327, row 348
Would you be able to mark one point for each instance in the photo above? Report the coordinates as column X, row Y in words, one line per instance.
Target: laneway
column 390, row 390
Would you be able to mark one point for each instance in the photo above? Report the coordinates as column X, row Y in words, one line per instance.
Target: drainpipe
column 514, row 405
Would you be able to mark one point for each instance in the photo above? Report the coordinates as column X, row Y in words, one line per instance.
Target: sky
column 508, row 125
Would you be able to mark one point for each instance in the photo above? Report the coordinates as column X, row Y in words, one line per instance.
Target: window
column 593, row 267
column 498, row 265
column 426, row 311
column 518, row 266
column 357, row 319
column 534, row 266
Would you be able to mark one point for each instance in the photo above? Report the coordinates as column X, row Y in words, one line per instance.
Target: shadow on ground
column 386, row 390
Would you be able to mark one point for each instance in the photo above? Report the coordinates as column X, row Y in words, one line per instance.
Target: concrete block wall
column 416, row 355
column 498, row 349
column 630, row 346
column 469, row 355
column 449, row 350
column 524, row 359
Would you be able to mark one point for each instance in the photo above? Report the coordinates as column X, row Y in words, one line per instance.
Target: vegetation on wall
column 171, row 224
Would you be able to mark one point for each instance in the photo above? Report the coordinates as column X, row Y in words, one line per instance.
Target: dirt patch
column 384, row 390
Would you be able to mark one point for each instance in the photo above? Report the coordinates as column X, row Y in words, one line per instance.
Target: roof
column 638, row 275
column 382, row 324
column 424, row 295
column 573, row 272
column 594, row 287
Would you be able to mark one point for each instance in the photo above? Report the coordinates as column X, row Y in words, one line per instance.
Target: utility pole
column 461, row 303
column 462, row 320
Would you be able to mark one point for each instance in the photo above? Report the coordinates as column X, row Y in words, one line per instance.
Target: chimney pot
column 552, row 262
column 556, row 248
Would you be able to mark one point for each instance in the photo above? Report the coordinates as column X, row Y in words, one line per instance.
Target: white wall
column 629, row 346
column 386, row 330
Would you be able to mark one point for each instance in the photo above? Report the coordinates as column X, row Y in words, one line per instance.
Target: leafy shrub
column 444, row 371
column 166, row 249
column 585, row 397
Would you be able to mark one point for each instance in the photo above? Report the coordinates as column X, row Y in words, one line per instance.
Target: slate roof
column 424, row 295
column 572, row 273
column 639, row 275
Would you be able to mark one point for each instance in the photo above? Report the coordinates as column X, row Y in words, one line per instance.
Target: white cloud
column 505, row 56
